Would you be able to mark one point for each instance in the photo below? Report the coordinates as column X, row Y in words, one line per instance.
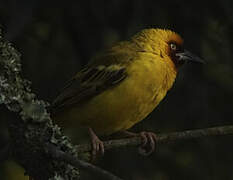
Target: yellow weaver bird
column 121, row 86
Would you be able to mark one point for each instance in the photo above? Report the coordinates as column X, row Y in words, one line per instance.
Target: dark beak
column 187, row 56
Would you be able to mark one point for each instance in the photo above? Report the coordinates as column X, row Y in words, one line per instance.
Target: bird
column 121, row 86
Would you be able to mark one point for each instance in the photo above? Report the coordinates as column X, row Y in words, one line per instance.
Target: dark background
column 57, row 38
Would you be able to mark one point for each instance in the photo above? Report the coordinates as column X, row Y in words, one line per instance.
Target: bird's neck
column 170, row 76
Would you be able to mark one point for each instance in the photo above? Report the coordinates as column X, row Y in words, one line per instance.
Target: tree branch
column 61, row 156
column 163, row 138
column 33, row 128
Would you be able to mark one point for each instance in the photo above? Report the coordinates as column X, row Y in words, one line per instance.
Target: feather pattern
column 88, row 83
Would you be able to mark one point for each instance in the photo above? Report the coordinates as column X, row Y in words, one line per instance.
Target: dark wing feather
column 89, row 82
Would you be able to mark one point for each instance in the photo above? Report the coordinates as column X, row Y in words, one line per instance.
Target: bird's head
column 167, row 44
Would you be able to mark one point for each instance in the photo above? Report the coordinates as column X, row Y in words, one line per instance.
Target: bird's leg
column 148, row 141
column 97, row 144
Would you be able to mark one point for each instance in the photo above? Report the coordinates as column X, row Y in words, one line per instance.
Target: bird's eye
column 173, row 46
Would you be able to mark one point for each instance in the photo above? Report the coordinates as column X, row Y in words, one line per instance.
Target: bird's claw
column 97, row 146
column 148, row 143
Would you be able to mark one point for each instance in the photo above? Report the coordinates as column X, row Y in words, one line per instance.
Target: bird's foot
column 97, row 144
column 148, row 143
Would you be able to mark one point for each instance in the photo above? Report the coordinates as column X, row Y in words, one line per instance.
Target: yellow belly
column 122, row 106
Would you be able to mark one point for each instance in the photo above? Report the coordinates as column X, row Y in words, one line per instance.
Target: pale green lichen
column 35, row 110
column 57, row 177
column 35, row 127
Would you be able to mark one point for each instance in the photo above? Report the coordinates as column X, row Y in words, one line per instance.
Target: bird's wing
column 88, row 83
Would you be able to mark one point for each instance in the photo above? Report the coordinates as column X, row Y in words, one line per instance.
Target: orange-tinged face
column 173, row 45
column 165, row 43
column 175, row 48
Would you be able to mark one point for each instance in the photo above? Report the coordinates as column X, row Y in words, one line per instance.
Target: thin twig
column 163, row 138
column 62, row 156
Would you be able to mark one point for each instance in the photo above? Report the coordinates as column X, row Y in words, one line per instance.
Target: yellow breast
column 120, row 107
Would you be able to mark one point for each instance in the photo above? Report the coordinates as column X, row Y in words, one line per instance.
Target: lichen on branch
column 33, row 128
